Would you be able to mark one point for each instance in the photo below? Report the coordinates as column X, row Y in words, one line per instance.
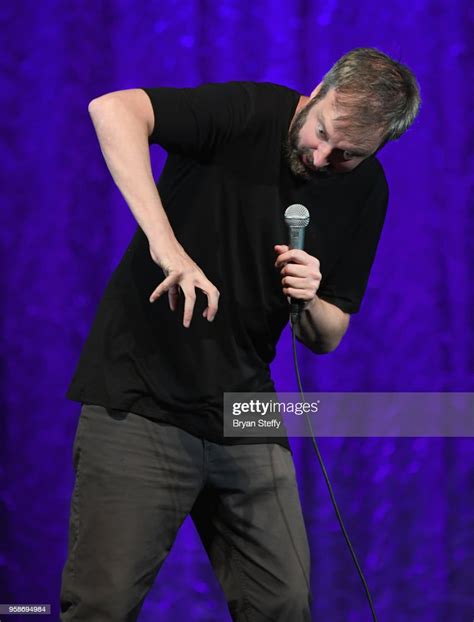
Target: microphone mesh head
column 296, row 215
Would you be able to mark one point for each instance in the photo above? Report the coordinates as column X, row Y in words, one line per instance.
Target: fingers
column 296, row 282
column 300, row 272
column 163, row 287
column 293, row 269
column 293, row 255
column 173, row 295
column 212, row 302
column 212, row 294
column 309, row 271
column 189, row 301
column 298, row 294
column 300, row 291
column 188, row 284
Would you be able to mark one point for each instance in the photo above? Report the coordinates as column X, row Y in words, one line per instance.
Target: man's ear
column 316, row 90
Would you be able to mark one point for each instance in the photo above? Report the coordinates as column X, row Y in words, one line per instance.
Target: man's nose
column 321, row 155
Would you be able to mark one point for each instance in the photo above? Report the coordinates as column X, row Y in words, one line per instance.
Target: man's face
column 319, row 145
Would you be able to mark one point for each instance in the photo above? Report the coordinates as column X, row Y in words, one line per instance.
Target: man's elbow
column 124, row 105
column 97, row 104
column 328, row 345
column 323, row 348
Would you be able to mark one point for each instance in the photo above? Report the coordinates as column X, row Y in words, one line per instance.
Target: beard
column 300, row 158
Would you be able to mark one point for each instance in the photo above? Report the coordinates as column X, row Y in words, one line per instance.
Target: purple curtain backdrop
column 407, row 503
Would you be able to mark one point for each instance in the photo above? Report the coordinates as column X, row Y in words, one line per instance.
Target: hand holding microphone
column 300, row 271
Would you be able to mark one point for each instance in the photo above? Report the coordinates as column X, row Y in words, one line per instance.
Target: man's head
column 365, row 100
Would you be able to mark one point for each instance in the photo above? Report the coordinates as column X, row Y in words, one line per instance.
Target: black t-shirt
column 225, row 187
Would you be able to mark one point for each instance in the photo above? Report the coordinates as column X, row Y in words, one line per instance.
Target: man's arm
column 322, row 325
column 123, row 121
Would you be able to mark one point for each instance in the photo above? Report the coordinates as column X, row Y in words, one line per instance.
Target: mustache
column 305, row 155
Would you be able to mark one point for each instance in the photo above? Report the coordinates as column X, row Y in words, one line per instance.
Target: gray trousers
column 138, row 479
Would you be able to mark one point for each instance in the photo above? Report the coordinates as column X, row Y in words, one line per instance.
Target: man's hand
column 322, row 325
column 181, row 272
column 300, row 273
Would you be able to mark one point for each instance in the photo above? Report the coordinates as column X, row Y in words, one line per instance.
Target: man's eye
column 320, row 131
column 348, row 155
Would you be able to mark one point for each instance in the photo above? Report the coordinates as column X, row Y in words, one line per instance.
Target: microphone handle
column 296, row 238
column 296, row 241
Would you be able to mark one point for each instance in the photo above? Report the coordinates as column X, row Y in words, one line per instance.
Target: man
column 149, row 447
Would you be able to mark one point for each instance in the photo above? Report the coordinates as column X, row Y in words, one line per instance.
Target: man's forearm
column 321, row 326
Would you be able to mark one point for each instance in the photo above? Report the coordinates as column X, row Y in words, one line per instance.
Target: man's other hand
column 300, row 273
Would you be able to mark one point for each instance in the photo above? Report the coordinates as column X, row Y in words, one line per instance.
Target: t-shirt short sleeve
column 196, row 121
column 346, row 283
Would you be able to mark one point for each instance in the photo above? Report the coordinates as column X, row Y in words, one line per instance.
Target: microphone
column 296, row 219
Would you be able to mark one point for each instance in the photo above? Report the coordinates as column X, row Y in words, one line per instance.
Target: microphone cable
column 326, row 477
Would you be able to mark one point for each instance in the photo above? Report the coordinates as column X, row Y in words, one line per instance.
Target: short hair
column 373, row 90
